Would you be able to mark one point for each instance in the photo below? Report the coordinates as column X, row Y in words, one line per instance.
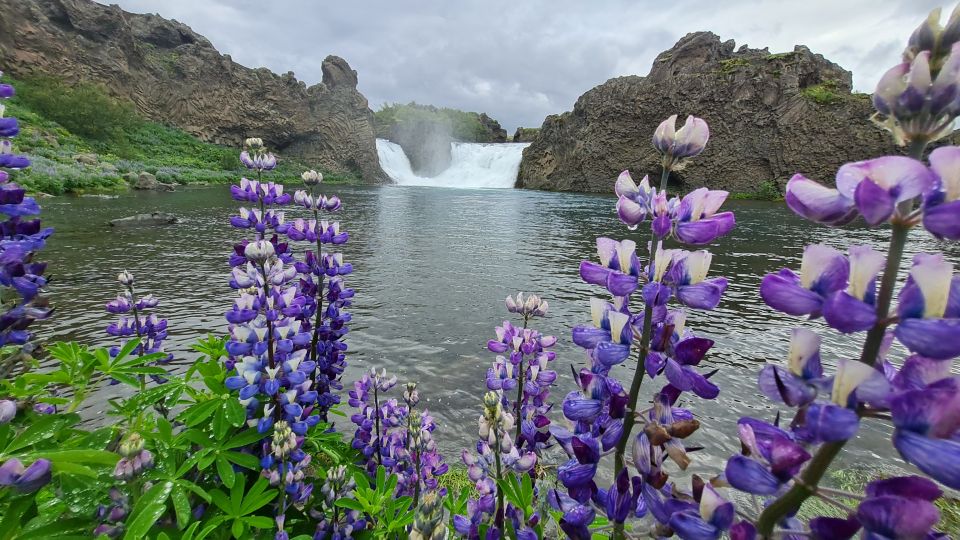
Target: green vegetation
column 781, row 56
column 729, row 66
column 81, row 139
column 768, row 190
column 464, row 126
column 825, row 93
column 528, row 134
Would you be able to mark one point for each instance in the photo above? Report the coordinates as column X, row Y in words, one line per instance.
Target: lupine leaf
column 225, row 470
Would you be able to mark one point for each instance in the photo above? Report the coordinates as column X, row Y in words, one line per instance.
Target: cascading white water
column 472, row 165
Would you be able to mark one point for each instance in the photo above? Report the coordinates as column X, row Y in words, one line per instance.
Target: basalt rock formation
column 770, row 116
column 174, row 75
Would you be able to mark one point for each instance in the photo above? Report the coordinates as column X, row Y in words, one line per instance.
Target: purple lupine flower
column 25, row 479
column 704, row 516
column 134, row 458
column 929, row 308
column 878, row 185
column 688, row 277
column 255, row 157
column 637, row 202
column 697, row 220
column 771, row 458
column 800, row 382
column 853, row 310
column 941, row 206
column 112, row 516
column 676, row 144
column 926, row 429
column 818, row 203
column 619, row 268
column 675, row 351
column 899, row 508
column 823, row 271
column 916, row 101
column 8, row 410
column 134, row 321
column 20, row 239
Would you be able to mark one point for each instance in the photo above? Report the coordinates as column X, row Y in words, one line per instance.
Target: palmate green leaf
column 74, row 469
column 236, row 496
column 220, row 500
column 256, row 498
column 199, row 491
column 61, row 528
column 125, row 350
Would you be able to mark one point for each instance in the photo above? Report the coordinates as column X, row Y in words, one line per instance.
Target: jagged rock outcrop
column 176, row 76
column 770, row 115
column 524, row 134
column 496, row 134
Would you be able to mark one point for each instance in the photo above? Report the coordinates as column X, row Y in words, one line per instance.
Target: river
column 431, row 269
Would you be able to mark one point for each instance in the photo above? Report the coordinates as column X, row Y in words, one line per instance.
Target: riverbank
column 81, row 140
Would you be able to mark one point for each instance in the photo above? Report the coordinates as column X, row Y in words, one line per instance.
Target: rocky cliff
column 770, row 115
column 176, row 76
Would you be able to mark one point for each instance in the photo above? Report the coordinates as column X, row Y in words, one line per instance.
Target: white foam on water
column 472, row 165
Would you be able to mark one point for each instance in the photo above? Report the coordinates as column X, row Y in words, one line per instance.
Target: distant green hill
column 80, row 139
column 463, row 126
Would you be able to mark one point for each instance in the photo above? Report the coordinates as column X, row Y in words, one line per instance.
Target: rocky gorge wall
column 176, row 76
column 770, row 116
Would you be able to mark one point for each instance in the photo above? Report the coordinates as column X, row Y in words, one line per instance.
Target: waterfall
column 473, row 165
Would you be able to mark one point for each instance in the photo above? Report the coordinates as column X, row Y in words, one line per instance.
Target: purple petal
column 629, row 212
column 875, row 203
column 912, row 487
column 750, row 476
column 933, row 338
column 782, row 292
column 781, row 386
column 691, row 350
column 918, row 371
column 689, row 526
column 818, row 203
column 828, row 423
column 654, row 363
column 830, row 528
column 589, row 337
column 904, row 178
column 677, row 376
column 943, row 220
column 848, row 314
column 699, row 232
column 703, row 295
column 939, row 458
column 898, row 517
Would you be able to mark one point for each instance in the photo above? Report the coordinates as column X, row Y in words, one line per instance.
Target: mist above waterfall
column 472, row 165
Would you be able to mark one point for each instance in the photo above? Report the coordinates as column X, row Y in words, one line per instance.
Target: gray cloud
column 520, row 61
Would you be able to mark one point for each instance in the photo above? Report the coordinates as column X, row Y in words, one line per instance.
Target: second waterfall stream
column 473, row 165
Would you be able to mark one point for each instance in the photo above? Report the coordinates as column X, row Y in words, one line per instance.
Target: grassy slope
column 173, row 155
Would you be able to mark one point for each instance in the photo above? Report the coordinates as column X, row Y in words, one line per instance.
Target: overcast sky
column 522, row 60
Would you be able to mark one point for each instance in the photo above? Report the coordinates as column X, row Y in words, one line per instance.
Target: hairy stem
column 630, row 418
column 499, row 511
column 376, row 422
column 790, row 502
column 521, row 376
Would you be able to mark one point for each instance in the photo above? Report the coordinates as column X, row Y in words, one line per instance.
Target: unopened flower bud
column 131, row 445
column 312, row 178
column 125, row 278
column 259, row 251
column 8, row 410
column 253, row 142
column 686, row 142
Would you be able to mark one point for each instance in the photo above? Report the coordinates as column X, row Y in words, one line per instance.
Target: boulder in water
column 140, row 220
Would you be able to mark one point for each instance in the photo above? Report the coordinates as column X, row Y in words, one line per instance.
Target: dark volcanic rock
column 176, row 76
column 523, row 134
column 496, row 133
column 770, row 116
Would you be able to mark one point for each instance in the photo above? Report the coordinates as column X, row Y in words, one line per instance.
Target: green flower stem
column 791, row 501
column 630, row 418
column 522, row 381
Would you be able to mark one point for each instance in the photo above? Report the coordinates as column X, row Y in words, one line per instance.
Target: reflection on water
column 432, row 267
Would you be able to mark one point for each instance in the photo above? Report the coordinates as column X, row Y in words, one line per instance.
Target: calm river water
column 431, row 269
